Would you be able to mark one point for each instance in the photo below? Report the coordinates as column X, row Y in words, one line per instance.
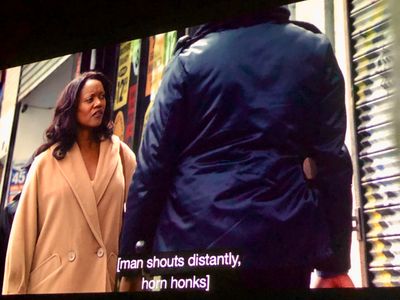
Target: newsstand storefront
column 372, row 55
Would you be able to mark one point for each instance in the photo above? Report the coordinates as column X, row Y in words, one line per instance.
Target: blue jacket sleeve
column 334, row 168
column 156, row 160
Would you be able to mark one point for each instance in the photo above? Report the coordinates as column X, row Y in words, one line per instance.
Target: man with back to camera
column 244, row 150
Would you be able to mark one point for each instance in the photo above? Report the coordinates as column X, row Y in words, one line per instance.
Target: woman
column 66, row 229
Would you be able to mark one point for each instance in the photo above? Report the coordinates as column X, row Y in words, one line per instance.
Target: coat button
column 100, row 252
column 71, row 256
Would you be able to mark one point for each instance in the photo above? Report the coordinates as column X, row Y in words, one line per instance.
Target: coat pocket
column 44, row 271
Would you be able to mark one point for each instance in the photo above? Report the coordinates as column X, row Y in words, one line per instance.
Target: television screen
column 254, row 151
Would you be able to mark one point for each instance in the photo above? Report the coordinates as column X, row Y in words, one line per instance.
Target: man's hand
column 129, row 284
column 338, row 281
column 309, row 168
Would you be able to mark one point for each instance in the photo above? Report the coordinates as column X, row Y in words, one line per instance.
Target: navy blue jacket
column 241, row 105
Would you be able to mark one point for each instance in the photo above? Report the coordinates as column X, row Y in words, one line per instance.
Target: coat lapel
column 74, row 170
column 106, row 166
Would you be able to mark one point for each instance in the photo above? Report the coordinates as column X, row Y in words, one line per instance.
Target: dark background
column 41, row 29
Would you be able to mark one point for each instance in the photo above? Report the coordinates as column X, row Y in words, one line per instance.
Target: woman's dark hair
column 63, row 129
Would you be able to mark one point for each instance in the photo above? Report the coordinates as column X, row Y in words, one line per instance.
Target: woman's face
column 91, row 105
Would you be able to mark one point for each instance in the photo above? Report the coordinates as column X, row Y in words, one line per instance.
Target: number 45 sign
column 18, row 177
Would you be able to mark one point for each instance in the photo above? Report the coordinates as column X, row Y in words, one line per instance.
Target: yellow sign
column 161, row 52
column 158, row 64
column 124, row 71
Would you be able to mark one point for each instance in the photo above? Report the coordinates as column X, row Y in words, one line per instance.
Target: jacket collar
column 279, row 14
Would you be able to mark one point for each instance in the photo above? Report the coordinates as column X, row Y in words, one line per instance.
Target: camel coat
column 66, row 230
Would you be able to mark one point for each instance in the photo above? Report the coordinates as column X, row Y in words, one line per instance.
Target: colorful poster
column 160, row 52
column 126, row 91
column 150, row 66
column 132, row 94
column 158, row 64
column 124, row 70
column 18, row 177
column 170, row 42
